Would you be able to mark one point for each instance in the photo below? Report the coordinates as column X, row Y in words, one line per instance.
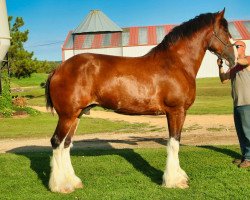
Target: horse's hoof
column 79, row 185
column 183, row 185
column 67, row 190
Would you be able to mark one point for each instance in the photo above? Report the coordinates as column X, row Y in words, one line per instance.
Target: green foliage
column 6, row 107
column 5, row 98
column 20, row 60
column 27, row 110
column 46, row 66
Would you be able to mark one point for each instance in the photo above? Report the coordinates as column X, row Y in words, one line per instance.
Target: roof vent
column 96, row 22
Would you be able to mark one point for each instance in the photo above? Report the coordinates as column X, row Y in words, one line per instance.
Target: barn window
column 106, row 40
column 143, row 35
column 125, row 37
column 247, row 25
column 88, row 41
column 160, row 33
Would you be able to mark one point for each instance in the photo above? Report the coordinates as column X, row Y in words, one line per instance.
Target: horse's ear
column 221, row 14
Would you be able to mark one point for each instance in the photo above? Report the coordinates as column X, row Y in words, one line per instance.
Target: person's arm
column 224, row 77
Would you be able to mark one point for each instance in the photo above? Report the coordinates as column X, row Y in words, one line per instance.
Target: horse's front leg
column 62, row 177
column 174, row 176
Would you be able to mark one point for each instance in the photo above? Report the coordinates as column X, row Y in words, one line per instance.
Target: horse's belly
column 133, row 106
column 127, row 111
column 130, row 95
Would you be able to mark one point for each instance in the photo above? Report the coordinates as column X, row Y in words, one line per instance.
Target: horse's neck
column 195, row 53
column 191, row 52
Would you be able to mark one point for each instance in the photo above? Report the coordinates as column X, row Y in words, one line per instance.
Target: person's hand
column 242, row 61
column 219, row 62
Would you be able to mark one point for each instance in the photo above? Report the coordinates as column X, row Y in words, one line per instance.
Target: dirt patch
column 198, row 130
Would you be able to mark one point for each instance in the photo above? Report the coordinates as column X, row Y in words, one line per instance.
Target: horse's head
column 220, row 39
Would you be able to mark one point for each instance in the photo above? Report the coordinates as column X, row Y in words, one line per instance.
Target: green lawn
column 212, row 97
column 44, row 125
column 34, row 80
column 128, row 174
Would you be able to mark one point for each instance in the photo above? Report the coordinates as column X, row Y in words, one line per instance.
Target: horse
column 161, row 82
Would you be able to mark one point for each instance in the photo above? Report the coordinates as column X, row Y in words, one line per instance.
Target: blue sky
column 49, row 21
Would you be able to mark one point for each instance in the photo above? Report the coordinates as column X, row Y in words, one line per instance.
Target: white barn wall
column 208, row 66
column 107, row 51
column 136, row 50
column 248, row 46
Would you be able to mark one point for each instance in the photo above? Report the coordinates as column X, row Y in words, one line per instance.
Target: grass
column 34, row 80
column 44, row 125
column 212, row 97
column 128, row 174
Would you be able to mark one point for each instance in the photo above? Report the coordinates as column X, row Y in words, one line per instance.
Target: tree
column 20, row 60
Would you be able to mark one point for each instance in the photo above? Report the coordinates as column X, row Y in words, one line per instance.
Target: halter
column 226, row 45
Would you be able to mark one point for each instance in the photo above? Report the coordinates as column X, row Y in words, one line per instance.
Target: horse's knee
column 55, row 141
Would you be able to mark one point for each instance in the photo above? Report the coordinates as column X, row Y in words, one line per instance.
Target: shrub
column 5, row 99
column 19, row 102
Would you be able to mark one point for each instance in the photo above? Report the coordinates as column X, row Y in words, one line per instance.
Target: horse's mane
column 186, row 29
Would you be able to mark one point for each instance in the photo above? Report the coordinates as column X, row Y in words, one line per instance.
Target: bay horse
column 160, row 82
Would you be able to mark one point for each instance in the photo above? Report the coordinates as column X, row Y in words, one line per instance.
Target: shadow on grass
column 228, row 152
column 39, row 161
column 134, row 158
column 40, row 157
column 29, row 96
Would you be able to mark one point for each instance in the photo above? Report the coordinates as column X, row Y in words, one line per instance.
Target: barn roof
column 96, row 21
column 138, row 36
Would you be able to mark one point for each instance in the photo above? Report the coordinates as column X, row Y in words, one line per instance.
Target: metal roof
column 96, row 21
column 139, row 36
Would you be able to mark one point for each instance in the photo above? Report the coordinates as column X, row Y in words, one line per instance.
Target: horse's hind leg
column 62, row 177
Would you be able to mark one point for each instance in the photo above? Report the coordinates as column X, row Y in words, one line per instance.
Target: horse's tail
column 49, row 103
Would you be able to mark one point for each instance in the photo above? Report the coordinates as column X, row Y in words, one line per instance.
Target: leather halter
column 226, row 45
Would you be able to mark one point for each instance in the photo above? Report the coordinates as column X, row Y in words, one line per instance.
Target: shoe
column 237, row 161
column 244, row 164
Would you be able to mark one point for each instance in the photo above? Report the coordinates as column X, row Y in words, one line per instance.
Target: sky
column 49, row 21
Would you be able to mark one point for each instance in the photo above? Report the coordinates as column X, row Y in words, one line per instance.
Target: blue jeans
column 242, row 125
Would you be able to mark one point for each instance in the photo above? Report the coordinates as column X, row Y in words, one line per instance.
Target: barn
column 99, row 34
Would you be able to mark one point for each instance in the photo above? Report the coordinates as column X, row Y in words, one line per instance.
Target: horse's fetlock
column 55, row 141
column 67, row 142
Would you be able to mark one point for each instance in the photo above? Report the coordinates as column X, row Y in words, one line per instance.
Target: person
column 240, row 83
